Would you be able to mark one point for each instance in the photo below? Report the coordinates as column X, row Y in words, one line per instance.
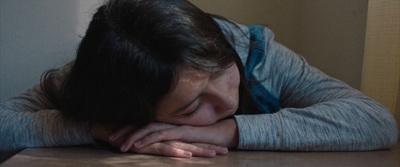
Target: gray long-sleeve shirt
column 315, row 112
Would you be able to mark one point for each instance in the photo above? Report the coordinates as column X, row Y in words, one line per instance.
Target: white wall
column 330, row 34
column 36, row 35
column 332, row 37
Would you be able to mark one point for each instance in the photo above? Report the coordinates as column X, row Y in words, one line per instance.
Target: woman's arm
column 28, row 121
column 123, row 138
column 318, row 113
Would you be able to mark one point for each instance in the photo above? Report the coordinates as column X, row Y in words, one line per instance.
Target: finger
column 121, row 132
column 163, row 149
column 218, row 149
column 181, row 133
column 140, row 133
column 158, row 136
column 194, row 149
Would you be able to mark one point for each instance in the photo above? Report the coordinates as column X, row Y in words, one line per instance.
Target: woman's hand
column 223, row 133
column 181, row 149
column 168, row 148
column 101, row 131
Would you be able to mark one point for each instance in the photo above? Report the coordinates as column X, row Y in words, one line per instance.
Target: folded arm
column 318, row 113
column 29, row 121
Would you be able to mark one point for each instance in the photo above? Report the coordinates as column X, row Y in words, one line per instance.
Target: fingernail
column 212, row 153
column 113, row 137
column 187, row 154
column 138, row 144
column 223, row 150
column 123, row 148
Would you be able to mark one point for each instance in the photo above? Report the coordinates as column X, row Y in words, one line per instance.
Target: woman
column 162, row 77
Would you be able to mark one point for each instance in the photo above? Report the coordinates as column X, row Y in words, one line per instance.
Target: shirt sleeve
column 28, row 121
column 317, row 112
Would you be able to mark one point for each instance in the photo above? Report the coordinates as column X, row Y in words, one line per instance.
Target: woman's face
column 200, row 98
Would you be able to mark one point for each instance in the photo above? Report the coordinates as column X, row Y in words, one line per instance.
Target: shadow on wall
column 330, row 34
column 35, row 36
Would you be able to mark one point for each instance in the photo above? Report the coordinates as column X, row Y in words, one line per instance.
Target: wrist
column 93, row 129
column 234, row 141
column 227, row 132
column 101, row 131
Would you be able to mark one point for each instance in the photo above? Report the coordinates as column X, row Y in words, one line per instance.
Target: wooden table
column 91, row 156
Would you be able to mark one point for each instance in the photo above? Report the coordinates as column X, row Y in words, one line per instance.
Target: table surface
column 91, row 156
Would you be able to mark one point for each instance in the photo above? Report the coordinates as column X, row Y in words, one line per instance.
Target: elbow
column 386, row 132
column 377, row 138
column 391, row 135
column 390, row 130
column 386, row 136
column 379, row 131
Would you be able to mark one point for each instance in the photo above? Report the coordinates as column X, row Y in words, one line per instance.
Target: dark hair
column 130, row 55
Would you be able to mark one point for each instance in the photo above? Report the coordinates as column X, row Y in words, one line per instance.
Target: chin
column 234, row 110
column 229, row 113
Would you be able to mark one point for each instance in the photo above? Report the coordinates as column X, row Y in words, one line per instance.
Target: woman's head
column 201, row 98
column 133, row 55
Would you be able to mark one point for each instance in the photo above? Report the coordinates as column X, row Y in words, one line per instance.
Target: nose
column 221, row 96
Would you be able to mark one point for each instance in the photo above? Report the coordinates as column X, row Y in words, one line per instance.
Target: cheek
column 205, row 116
column 234, row 90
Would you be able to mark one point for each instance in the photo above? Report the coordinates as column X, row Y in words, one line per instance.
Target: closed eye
column 193, row 112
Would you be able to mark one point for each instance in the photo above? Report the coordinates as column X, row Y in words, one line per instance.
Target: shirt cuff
column 260, row 132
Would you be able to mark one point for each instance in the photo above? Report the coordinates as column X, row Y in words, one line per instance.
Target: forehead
column 189, row 84
column 189, row 75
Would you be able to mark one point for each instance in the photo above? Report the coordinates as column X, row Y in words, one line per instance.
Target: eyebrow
column 184, row 107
